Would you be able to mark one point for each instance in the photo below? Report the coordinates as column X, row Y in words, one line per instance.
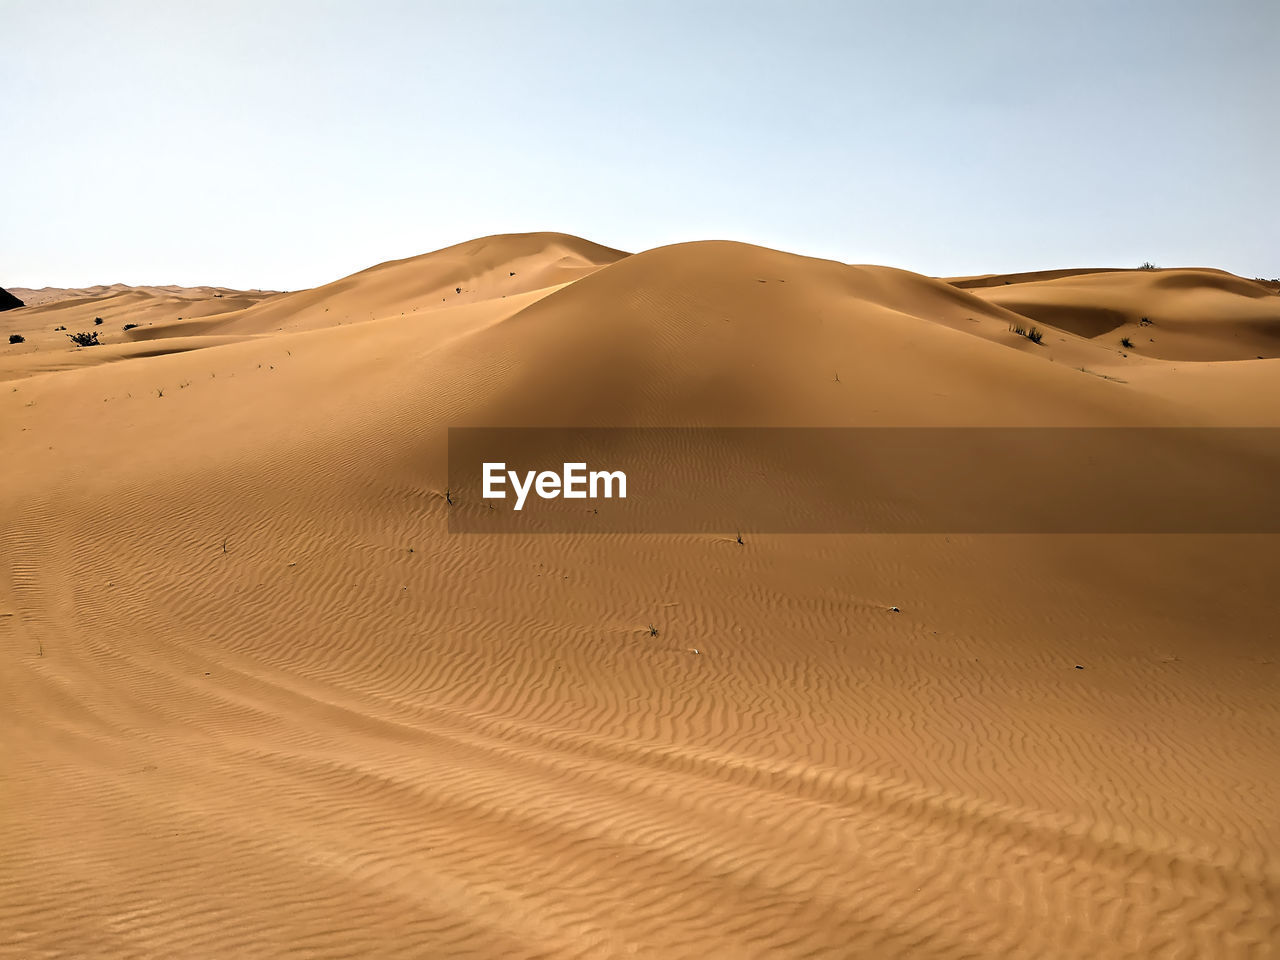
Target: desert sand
column 258, row 702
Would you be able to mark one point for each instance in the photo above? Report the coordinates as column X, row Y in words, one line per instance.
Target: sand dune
column 479, row 270
column 43, row 296
column 261, row 703
column 46, row 326
column 1032, row 276
column 1169, row 314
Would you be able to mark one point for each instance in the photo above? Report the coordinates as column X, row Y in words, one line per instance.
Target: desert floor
column 258, row 702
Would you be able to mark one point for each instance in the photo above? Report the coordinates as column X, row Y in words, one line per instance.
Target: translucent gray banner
column 864, row 480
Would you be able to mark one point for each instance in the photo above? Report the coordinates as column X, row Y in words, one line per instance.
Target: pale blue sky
column 274, row 144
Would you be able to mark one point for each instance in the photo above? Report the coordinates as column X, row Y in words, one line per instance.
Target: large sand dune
column 260, row 703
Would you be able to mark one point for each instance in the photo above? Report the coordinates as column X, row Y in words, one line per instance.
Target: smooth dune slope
column 260, row 703
column 171, row 320
column 1029, row 276
column 1176, row 314
column 726, row 334
column 478, row 270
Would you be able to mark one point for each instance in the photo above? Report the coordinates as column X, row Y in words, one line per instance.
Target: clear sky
column 284, row 144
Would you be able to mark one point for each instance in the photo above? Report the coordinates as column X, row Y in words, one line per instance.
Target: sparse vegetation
column 1144, row 322
column 85, row 339
column 1148, row 265
column 1032, row 333
column 653, row 631
column 17, row 338
column 97, row 321
column 1126, row 343
column 130, row 326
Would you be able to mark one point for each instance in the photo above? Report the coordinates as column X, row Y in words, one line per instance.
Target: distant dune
column 260, row 702
column 1002, row 279
column 42, row 296
column 1178, row 314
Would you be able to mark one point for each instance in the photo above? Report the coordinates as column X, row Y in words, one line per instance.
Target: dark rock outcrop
column 8, row 301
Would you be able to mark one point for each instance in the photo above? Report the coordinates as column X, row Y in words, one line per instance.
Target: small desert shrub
column 1148, row 265
column 130, row 326
column 1126, row 342
column 97, row 321
column 653, row 631
column 1031, row 333
column 84, row 339
column 17, row 338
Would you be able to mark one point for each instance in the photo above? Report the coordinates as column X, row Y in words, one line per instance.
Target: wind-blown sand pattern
column 259, row 703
